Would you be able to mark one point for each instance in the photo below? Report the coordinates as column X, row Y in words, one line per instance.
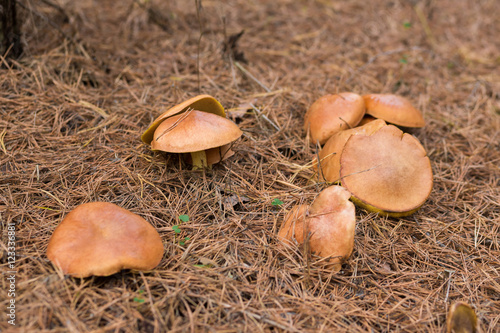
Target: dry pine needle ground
column 95, row 74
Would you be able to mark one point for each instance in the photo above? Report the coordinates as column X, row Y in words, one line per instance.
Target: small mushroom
column 393, row 109
column 195, row 132
column 387, row 172
column 205, row 103
column 462, row 319
column 100, row 238
column 328, row 224
column 333, row 113
column 330, row 154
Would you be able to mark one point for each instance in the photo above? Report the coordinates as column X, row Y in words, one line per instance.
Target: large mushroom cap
column 194, row 131
column 394, row 109
column 330, row 154
column 330, row 221
column 205, row 103
column 333, row 113
column 100, row 238
column 387, row 172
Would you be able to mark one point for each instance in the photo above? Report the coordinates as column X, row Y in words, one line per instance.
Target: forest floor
column 93, row 76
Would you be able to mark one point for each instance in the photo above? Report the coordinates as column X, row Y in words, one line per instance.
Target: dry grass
column 95, row 74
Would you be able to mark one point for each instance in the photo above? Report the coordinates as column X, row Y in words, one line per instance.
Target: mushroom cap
column 330, row 221
column 330, row 154
column 194, row 131
column 333, row 113
column 387, row 172
column 394, row 109
column 292, row 228
column 461, row 319
column 366, row 119
column 100, row 238
column 204, row 103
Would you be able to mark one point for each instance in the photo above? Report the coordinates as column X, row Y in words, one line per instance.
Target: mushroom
column 328, row 224
column 100, row 238
column 195, row 132
column 366, row 119
column 204, row 103
column 387, row 172
column 333, row 113
column 462, row 319
column 330, row 154
column 393, row 109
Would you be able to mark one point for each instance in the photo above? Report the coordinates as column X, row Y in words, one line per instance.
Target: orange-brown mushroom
column 461, row 319
column 333, row 113
column 330, row 154
column 100, row 238
column 205, row 103
column 366, row 119
column 393, row 109
column 328, row 224
column 195, row 132
column 387, row 172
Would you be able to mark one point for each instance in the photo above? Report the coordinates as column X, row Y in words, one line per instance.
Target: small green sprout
column 183, row 242
column 176, row 229
column 403, row 60
column 276, row 202
column 407, row 24
column 139, row 299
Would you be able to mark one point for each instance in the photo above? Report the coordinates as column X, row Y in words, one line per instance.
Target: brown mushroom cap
column 330, row 154
column 205, row 103
column 333, row 113
column 366, row 119
column 194, row 131
column 394, row 109
column 461, row 319
column 100, row 238
column 330, row 221
column 387, row 172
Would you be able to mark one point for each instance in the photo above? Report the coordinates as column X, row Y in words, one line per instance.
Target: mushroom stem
column 199, row 160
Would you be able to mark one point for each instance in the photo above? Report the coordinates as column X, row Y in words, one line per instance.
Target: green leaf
column 184, row 218
column 176, row 229
column 138, row 300
column 186, row 238
column 277, row 202
column 403, row 60
column 407, row 24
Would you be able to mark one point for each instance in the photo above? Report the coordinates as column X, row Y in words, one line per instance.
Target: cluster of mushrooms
column 100, row 238
column 378, row 166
